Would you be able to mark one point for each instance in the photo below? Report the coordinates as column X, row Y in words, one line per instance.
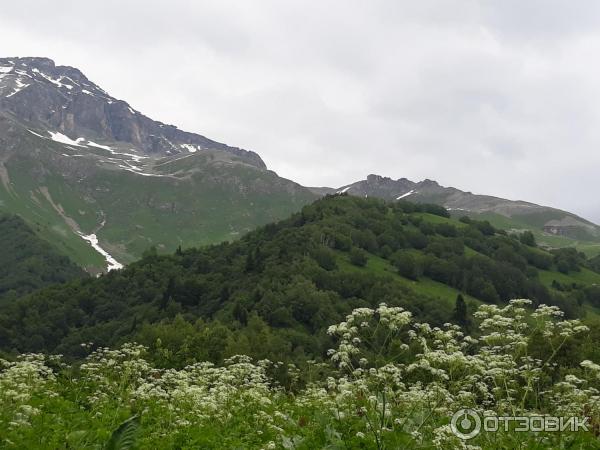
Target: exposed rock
column 61, row 98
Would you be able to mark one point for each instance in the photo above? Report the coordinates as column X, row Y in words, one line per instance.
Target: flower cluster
column 20, row 382
column 393, row 383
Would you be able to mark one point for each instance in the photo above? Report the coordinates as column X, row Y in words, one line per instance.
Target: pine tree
column 460, row 312
column 168, row 293
column 250, row 262
column 240, row 314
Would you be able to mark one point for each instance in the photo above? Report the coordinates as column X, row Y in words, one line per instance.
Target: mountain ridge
column 103, row 180
column 548, row 222
column 80, row 107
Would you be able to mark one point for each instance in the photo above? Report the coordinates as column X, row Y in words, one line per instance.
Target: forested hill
column 273, row 292
column 27, row 262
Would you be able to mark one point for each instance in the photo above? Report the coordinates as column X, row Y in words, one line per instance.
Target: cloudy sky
column 496, row 97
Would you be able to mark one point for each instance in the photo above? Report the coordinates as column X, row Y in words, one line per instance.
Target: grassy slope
column 24, row 199
column 218, row 203
column 423, row 285
column 212, row 201
column 448, row 294
column 590, row 248
column 584, row 276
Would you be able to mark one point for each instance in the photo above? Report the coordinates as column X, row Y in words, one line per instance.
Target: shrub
column 358, row 257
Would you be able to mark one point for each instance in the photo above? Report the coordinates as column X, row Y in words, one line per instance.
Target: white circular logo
column 466, row 424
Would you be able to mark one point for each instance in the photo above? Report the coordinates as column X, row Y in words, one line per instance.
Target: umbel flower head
column 391, row 380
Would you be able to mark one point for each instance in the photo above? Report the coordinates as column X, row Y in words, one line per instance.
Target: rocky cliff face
column 380, row 187
column 62, row 99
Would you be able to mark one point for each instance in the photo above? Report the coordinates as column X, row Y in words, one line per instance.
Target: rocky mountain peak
column 51, row 98
column 372, row 178
column 429, row 183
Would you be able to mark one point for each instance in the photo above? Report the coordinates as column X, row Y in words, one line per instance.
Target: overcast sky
column 497, row 97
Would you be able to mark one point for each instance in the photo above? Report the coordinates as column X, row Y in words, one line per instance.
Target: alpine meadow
column 160, row 289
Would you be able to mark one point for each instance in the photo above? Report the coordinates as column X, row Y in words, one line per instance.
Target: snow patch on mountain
column 93, row 241
column 103, row 147
column 57, row 81
column 19, row 87
column 191, row 148
column 144, row 174
column 38, row 135
column 59, row 137
column 132, row 156
column 412, row 191
column 123, row 159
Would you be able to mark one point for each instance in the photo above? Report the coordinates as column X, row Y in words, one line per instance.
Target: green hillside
column 273, row 292
column 584, row 242
column 66, row 191
column 27, row 262
column 553, row 228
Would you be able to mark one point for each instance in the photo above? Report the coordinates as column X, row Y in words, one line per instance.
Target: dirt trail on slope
column 59, row 209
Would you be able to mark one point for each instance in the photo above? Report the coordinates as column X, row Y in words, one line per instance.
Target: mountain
column 273, row 292
column 552, row 227
column 27, row 262
column 104, row 183
column 64, row 101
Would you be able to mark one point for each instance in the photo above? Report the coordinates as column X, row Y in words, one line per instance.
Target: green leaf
column 123, row 438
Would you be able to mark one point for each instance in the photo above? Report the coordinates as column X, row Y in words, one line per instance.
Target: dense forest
column 273, row 293
column 27, row 262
